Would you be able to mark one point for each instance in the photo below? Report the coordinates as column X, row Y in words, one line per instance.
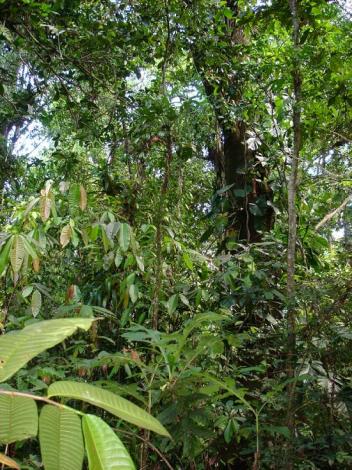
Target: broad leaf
column 140, row 263
column 18, row 418
column 19, row 347
column 17, row 253
column 65, row 235
column 29, row 249
column 4, row 255
column 124, row 236
column 105, row 450
column 74, row 196
column 36, row 265
column 82, row 198
column 172, row 304
column 61, row 439
column 109, row 401
column 133, row 293
column 45, row 206
column 27, row 291
column 36, row 303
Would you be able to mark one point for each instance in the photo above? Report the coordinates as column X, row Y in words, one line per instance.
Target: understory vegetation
column 175, row 234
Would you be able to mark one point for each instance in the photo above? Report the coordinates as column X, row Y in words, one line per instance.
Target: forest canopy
column 175, row 234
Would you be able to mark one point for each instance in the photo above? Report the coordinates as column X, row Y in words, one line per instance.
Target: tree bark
column 249, row 215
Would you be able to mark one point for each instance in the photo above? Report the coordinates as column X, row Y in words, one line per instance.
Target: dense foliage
column 179, row 170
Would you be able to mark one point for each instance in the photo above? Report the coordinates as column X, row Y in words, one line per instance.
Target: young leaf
column 105, row 450
column 65, row 235
column 36, row 265
column 61, row 439
column 18, row 419
column 36, row 303
column 82, row 198
column 45, row 205
column 17, row 253
column 8, row 462
column 19, row 347
column 109, row 401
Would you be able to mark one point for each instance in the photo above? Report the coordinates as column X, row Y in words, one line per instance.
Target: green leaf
column 224, row 189
column 36, row 303
column 61, row 439
column 140, row 263
column 17, row 253
column 172, row 304
column 118, row 259
column 106, row 242
column 27, row 291
column 188, row 261
column 4, row 255
column 29, row 249
column 124, row 236
column 228, row 433
column 184, row 300
column 105, row 450
column 109, row 401
column 20, row 346
column 18, row 418
column 133, row 293
column 86, row 311
column 74, row 197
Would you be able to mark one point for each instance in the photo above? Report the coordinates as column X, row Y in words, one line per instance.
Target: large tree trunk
column 249, row 214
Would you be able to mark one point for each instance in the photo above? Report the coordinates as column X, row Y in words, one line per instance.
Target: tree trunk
column 292, row 233
column 249, row 215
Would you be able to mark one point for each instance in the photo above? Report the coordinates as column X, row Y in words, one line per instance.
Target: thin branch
column 332, row 214
column 155, row 449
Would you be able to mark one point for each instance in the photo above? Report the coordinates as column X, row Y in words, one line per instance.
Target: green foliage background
column 124, row 214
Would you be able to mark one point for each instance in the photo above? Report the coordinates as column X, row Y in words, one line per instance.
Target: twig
column 146, row 441
column 332, row 214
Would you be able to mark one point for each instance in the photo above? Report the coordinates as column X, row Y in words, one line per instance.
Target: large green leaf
column 109, row 401
column 74, row 196
column 124, row 236
column 4, row 254
column 18, row 418
column 105, row 450
column 18, row 347
column 61, row 439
